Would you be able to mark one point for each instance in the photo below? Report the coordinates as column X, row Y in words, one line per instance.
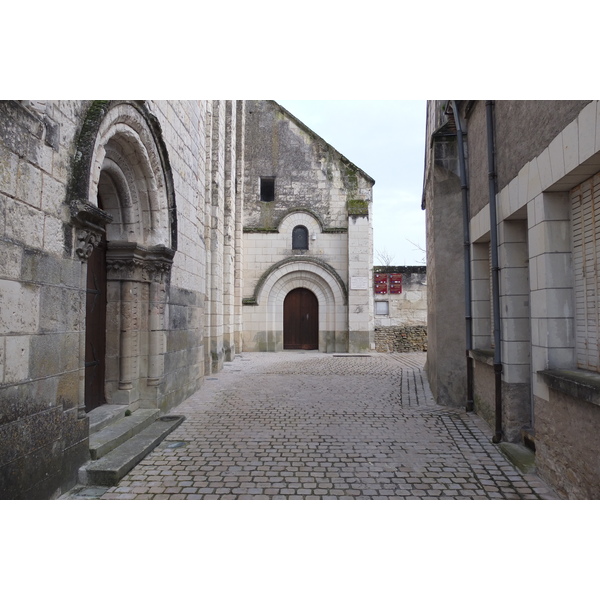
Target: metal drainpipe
column 489, row 109
column 467, row 255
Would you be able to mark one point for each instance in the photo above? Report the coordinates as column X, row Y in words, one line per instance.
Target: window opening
column 267, row 189
column 300, row 238
column 382, row 307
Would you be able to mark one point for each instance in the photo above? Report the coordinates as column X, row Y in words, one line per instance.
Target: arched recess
column 121, row 189
column 323, row 282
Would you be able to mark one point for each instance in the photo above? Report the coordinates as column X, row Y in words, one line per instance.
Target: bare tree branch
column 384, row 257
column 423, row 258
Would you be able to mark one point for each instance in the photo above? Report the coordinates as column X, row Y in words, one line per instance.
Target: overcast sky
column 386, row 139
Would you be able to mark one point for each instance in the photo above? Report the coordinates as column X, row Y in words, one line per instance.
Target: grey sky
column 386, row 139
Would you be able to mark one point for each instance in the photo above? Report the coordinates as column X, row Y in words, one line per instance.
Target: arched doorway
column 126, row 232
column 300, row 320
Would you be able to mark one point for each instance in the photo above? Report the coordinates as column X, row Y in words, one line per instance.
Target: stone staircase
column 119, row 440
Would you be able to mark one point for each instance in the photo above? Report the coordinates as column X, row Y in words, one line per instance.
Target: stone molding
column 128, row 261
column 103, row 114
column 90, row 225
column 297, row 263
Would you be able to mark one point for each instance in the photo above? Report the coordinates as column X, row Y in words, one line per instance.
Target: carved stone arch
column 128, row 135
column 321, row 279
column 121, row 188
column 117, row 198
column 303, row 214
column 296, row 264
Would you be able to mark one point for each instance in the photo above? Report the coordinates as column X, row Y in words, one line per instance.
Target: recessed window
column 267, row 189
column 300, row 238
column 382, row 308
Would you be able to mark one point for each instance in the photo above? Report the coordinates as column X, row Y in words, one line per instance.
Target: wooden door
column 301, row 320
column 95, row 328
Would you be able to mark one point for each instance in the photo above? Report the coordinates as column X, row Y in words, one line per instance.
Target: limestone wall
column 41, row 301
column 408, row 307
column 159, row 186
column 167, row 173
column 400, row 319
column 316, row 188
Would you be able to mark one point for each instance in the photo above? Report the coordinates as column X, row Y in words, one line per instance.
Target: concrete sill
column 579, row 384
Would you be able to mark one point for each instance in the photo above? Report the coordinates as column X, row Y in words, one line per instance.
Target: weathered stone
column 408, row 338
column 165, row 190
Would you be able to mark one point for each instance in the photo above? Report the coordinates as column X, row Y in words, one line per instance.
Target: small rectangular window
column 267, row 189
column 382, row 308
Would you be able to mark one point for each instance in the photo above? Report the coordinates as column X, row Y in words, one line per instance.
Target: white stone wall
column 34, row 170
column 184, row 129
column 407, row 308
column 261, row 250
column 317, row 188
column 43, row 278
column 360, row 276
column 537, row 260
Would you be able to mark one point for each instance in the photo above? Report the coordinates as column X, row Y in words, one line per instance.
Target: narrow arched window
column 300, row 238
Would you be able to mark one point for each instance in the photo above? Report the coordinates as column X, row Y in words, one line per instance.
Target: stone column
column 156, row 334
column 239, row 216
column 142, row 276
column 360, row 275
column 515, row 327
column 128, row 329
column 229, row 217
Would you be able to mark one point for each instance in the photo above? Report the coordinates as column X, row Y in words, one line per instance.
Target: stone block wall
column 43, row 425
column 566, row 444
column 41, row 303
column 317, row 188
column 404, row 327
column 403, row 338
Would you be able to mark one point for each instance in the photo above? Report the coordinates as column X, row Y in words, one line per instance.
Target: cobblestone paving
column 304, row 425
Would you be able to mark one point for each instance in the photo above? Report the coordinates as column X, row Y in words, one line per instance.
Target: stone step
column 115, row 433
column 105, row 415
column 108, row 470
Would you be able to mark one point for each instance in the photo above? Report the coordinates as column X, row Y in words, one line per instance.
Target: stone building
column 139, row 253
column 400, row 308
column 308, row 240
column 511, row 194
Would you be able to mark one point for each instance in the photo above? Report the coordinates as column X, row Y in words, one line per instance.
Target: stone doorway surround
column 122, row 166
column 264, row 313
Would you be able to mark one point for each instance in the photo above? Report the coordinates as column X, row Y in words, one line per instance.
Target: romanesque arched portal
column 122, row 203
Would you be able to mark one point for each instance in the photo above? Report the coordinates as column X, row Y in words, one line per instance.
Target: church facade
column 145, row 243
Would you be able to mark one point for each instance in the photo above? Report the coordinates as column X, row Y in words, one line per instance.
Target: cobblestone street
column 303, row 425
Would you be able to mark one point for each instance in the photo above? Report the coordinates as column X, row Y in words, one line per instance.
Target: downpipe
column 489, row 109
column 464, row 187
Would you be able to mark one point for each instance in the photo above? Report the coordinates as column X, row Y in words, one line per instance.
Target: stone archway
column 129, row 200
column 264, row 322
